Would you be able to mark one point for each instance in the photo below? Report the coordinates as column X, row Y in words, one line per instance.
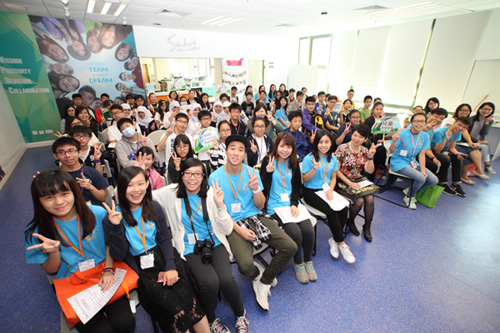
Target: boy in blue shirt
column 320, row 106
column 302, row 140
column 244, row 201
column 307, row 114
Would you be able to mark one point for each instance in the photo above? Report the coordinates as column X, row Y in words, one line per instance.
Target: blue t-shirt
column 244, row 196
column 93, row 246
column 281, row 116
column 136, row 246
column 440, row 134
column 317, row 181
column 279, row 177
column 319, row 109
column 408, row 150
column 199, row 224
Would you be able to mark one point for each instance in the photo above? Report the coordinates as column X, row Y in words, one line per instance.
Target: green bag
column 429, row 196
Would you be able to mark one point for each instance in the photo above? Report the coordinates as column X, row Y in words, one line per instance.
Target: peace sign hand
column 144, row 140
column 313, row 135
column 253, row 182
column 372, row 150
column 48, row 245
column 113, row 216
column 270, row 166
column 97, row 151
column 347, row 129
column 218, row 194
column 140, row 161
column 177, row 161
column 396, row 136
column 215, row 145
column 58, row 134
column 315, row 164
column 83, row 182
column 253, row 146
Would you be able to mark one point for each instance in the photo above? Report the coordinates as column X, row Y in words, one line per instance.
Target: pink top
column 155, row 179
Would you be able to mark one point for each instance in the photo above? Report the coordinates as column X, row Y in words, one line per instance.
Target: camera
column 204, row 248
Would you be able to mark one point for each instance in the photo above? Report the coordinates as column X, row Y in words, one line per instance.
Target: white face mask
column 184, row 103
column 129, row 132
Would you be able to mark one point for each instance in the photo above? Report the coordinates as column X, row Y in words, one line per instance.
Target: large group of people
column 273, row 150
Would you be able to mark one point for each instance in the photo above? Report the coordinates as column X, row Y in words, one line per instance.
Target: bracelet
column 97, row 161
column 369, row 159
column 109, row 269
column 258, row 191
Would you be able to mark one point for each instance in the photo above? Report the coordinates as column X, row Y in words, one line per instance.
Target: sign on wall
column 25, row 80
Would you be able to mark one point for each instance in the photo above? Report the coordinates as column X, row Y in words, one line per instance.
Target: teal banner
column 25, row 79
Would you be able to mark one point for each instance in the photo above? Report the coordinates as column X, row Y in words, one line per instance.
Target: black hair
column 246, row 89
column 234, row 106
column 66, row 110
column 80, row 129
column 377, row 99
column 299, row 93
column 151, row 93
column 317, row 138
column 363, row 130
column 49, row 183
column 107, row 103
column 170, row 95
column 129, row 96
column 181, row 188
column 76, row 96
column 128, row 64
column 204, row 113
column 145, row 150
column 234, row 88
column 288, row 140
column 279, row 103
column 321, row 93
column 139, row 97
column 333, row 97
column 291, row 90
column 65, row 141
column 367, row 97
column 441, row 111
column 116, row 106
column 490, row 104
column 351, row 113
column 350, row 90
column 203, row 105
column 69, row 121
column 255, row 119
column 224, row 96
column 310, row 99
column 464, row 120
column 248, row 93
column 182, row 138
column 148, row 211
column 432, row 99
column 295, row 114
column 416, row 115
column 222, row 123
column 181, row 115
column 104, row 95
column 123, row 121
column 79, row 109
column 88, row 89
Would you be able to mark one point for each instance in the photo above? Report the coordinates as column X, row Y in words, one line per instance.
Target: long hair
column 182, row 138
column 148, row 211
column 317, row 138
column 432, row 99
column 181, row 188
column 49, row 183
column 455, row 115
column 288, row 140
column 490, row 104
column 161, row 102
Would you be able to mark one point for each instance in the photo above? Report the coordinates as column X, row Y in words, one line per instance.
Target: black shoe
column 458, row 190
column 353, row 229
column 367, row 234
column 448, row 190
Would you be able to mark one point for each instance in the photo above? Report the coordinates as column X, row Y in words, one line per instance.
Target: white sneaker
column 410, row 202
column 261, row 271
column 334, row 247
column 218, row 327
column 262, row 292
column 242, row 324
column 347, row 254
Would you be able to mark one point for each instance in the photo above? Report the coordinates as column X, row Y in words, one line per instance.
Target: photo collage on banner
column 88, row 58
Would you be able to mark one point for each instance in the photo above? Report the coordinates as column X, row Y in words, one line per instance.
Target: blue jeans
column 419, row 180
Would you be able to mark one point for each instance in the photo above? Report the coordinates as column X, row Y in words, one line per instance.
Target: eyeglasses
column 421, row 121
column 81, row 136
column 181, row 122
column 70, row 151
column 225, row 131
column 260, row 126
column 196, row 175
column 182, row 147
column 113, row 113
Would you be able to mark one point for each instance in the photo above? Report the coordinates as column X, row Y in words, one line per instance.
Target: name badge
column 403, row 153
column 147, row 261
column 192, row 239
column 413, row 164
column 86, row 265
column 236, row 207
column 284, row 197
column 326, row 187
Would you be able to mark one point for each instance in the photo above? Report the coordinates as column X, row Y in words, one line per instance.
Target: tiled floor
column 426, row 270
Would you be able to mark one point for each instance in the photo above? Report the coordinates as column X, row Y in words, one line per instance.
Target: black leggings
column 336, row 220
column 369, row 203
column 115, row 317
column 302, row 234
column 214, row 277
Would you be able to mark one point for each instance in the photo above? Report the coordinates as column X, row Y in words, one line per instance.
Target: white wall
column 12, row 141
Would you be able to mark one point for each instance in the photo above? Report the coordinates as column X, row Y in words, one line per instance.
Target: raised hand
column 218, row 194
column 140, row 161
column 294, row 211
column 315, row 164
column 372, row 150
column 253, row 182
column 253, row 146
column 313, row 135
column 177, row 161
column 58, row 134
column 270, row 166
column 97, row 151
column 168, row 278
column 170, row 130
column 113, row 216
column 48, row 245
column 449, row 132
column 396, row 136
column 83, row 182
column 347, row 129
column 215, row 145
column 144, row 140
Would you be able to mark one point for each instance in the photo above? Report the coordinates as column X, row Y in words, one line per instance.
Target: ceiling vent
column 375, row 7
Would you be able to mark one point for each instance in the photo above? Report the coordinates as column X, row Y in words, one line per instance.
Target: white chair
column 156, row 136
column 110, row 192
column 103, row 136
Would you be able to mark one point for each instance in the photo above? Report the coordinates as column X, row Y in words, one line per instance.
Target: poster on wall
column 235, row 73
column 25, row 81
column 88, row 58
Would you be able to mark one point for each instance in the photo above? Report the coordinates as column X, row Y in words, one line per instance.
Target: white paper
column 286, row 216
column 365, row 183
column 90, row 301
column 338, row 203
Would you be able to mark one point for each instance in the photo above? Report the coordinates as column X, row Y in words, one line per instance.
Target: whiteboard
column 484, row 80
column 303, row 76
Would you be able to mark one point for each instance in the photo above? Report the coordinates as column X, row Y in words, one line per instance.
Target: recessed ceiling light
column 90, row 6
column 407, row 9
column 212, row 20
column 230, row 21
column 105, row 8
column 120, row 9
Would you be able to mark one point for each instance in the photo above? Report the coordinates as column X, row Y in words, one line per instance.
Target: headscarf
column 147, row 118
column 172, row 105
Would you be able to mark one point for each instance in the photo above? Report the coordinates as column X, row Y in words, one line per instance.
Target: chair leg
column 315, row 237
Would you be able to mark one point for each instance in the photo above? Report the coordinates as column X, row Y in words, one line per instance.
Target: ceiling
column 254, row 17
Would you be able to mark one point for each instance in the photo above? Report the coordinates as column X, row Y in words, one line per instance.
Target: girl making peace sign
column 319, row 171
column 66, row 235
column 137, row 233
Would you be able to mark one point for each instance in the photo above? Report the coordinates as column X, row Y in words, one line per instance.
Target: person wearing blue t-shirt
column 302, row 140
column 199, row 222
column 444, row 141
column 281, row 113
column 280, row 173
column 319, row 172
column 244, row 199
column 66, row 235
column 320, row 106
column 137, row 233
column 406, row 147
